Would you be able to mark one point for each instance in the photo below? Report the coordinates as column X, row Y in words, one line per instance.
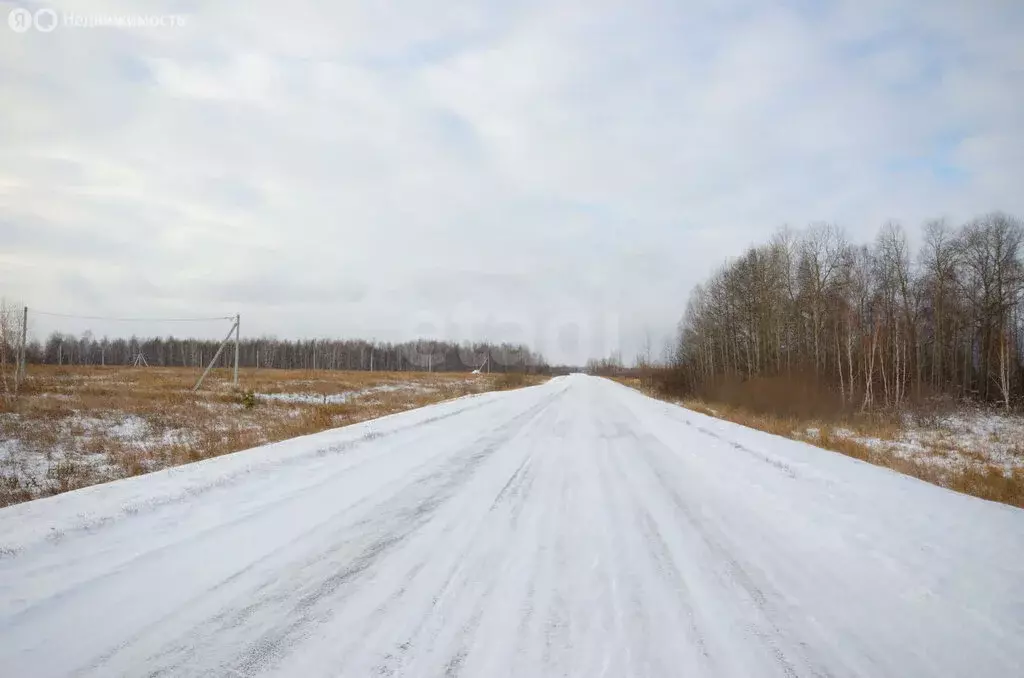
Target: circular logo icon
column 19, row 19
column 46, row 20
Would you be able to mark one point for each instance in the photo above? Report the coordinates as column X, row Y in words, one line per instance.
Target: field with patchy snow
column 961, row 446
column 77, row 426
column 973, row 437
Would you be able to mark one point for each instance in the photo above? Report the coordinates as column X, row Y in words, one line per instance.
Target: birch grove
column 304, row 354
column 877, row 323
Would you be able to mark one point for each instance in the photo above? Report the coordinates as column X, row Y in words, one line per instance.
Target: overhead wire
column 116, row 319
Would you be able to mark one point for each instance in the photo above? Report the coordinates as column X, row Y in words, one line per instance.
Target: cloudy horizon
column 560, row 174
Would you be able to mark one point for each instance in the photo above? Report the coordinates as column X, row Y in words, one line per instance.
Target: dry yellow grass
column 979, row 477
column 74, row 427
column 983, row 479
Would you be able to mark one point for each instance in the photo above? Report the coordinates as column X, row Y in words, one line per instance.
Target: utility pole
column 220, row 349
column 20, row 374
column 238, row 321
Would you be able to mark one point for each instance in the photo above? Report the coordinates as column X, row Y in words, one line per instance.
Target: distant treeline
column 303, row 354
column 874, row 324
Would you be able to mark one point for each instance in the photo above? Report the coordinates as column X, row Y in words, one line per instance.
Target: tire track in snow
column 361, row 545
column 753, row 592
column 388, row 661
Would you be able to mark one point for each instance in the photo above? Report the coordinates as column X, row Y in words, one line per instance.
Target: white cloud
column 534, row 170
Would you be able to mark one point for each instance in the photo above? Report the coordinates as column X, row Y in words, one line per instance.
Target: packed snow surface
column 576, row 528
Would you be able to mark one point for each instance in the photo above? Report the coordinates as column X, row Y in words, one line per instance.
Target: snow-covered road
column 577, row 528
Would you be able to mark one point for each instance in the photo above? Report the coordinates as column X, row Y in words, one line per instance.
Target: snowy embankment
column 577, row 528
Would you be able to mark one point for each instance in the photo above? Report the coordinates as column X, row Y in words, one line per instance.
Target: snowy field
column 963, row 446
column 972, row 449
column 973, row 437
column 76, row 427
column 576, row 528
column 345, row 396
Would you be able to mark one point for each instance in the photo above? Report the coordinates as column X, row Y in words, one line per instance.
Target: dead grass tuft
column 991, row 484
column 510, row 380
column 851, row 448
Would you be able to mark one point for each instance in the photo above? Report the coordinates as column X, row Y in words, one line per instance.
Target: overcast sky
column 560, row 173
